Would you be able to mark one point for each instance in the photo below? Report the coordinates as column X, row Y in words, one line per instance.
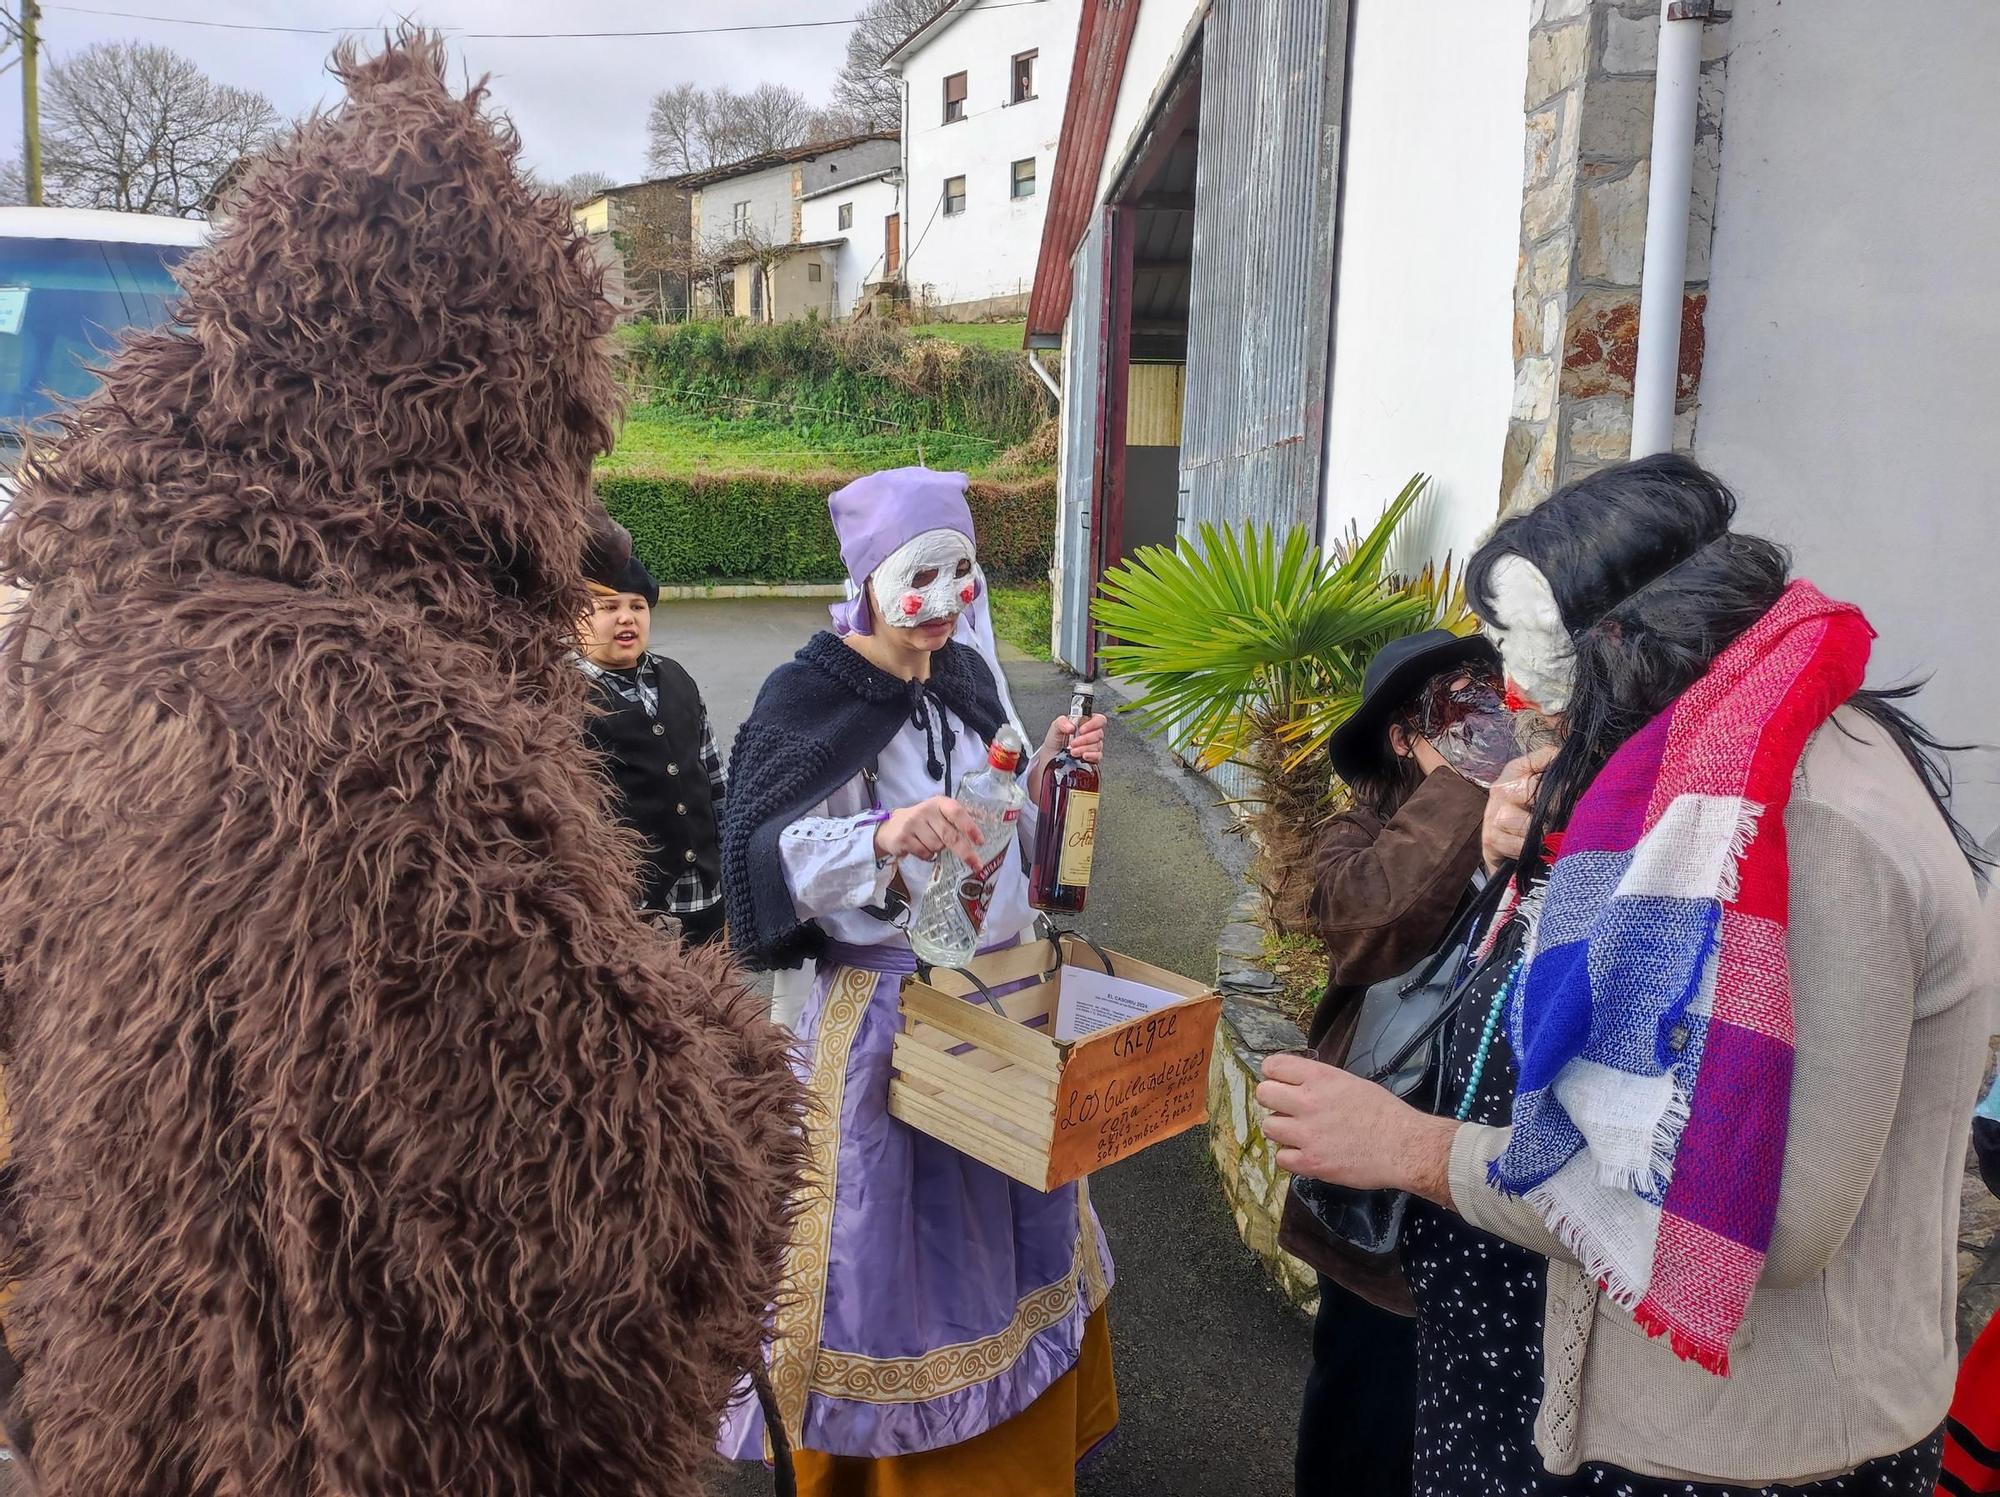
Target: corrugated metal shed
column 1253, row 435
column 1082, row 410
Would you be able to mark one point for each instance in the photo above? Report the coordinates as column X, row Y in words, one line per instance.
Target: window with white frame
column 847, row 215
column 954, row 196
column 954, row 98
column 1024, row 178
column 739, row 218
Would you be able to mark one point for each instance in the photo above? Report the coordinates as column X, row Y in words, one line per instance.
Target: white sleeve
column 830, row 864
column 790, row 990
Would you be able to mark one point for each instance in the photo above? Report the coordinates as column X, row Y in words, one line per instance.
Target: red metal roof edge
column 1103, row 44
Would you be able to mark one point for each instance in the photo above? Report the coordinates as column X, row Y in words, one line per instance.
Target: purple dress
column 928, row 1297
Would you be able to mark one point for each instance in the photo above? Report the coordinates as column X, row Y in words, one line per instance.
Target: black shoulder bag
column 1401, row 1035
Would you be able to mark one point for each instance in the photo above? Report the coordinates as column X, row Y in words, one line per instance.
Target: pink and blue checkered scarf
column 1653, row 1021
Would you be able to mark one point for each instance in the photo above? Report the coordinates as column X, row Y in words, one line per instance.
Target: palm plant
column 1251, row 649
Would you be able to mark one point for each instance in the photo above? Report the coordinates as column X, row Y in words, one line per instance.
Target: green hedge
column 773, row 527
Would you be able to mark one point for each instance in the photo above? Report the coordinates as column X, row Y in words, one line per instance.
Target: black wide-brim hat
column 1360, row 746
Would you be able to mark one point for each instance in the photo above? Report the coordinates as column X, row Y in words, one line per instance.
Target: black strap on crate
column 924, row 971
column 1049, row 931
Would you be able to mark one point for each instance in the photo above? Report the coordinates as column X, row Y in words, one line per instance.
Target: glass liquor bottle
column 946, row 930
column 1067, row 811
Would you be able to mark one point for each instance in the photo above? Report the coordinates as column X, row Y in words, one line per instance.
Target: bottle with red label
column 946, row 930
column 1067, row 812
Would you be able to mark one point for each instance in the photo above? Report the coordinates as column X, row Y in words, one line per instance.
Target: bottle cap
column 1004, row 753
column 1082, row 699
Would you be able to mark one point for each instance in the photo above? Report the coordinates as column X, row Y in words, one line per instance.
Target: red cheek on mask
column 1516, row 702
column 967, row 593
column 912, row 605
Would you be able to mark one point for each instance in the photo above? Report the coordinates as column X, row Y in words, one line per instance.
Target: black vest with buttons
column 663, row 789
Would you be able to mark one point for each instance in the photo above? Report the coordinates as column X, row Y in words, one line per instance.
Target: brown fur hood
column 366, row 1141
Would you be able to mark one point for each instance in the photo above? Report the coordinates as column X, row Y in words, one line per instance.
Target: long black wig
column 1653, row 584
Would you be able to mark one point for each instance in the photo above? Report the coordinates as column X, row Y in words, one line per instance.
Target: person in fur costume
column 366, row 1141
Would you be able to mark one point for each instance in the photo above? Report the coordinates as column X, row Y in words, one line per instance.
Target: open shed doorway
column 1149, row 222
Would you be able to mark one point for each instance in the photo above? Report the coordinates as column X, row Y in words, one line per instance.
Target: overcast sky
column 579, row 103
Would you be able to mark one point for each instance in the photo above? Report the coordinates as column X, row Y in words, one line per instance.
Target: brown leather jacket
column 1384, row 893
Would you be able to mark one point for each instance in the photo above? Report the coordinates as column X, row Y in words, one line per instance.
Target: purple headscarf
column 874, row 515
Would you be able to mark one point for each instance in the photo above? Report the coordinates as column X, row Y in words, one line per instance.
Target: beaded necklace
column 1486, row 1033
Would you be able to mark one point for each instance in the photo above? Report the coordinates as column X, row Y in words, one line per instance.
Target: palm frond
column 1242, row 637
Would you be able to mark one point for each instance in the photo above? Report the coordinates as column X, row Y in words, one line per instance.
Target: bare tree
column 836, row 123
column 866, row 90
column 712, row 268
column 690, row 128
column 763, row 253
column 581, row 187
column 661, row 262
column 684, row 130
column 771, row 117
column 141, row 128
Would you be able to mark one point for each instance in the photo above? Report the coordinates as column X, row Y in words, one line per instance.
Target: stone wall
column 1252, row 1027
column 1589, row 109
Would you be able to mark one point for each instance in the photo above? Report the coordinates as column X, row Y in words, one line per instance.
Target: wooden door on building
column 892, row 245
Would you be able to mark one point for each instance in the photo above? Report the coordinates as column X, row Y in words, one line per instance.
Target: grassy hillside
column 736, row 434
column 666, row 439
column 832, row 383
column 1006, row 336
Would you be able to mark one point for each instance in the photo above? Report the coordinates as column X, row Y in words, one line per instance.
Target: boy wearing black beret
column 652, row 729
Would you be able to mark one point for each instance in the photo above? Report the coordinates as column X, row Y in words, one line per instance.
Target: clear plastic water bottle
column 946, row 930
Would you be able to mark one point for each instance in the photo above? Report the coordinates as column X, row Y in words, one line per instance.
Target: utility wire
column 464, row 34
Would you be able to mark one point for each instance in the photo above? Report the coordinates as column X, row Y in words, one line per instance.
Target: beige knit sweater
column 1848, row 1351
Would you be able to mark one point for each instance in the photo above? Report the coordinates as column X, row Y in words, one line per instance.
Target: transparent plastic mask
column 1462, row 716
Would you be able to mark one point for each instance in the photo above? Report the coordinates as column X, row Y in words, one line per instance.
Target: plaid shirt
column 691, row 894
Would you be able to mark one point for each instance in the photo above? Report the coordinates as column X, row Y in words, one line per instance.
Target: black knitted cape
column 819, row 718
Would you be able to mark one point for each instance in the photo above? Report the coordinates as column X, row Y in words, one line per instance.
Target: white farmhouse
column 862, row 217
column 984, row 83
column 754, row 212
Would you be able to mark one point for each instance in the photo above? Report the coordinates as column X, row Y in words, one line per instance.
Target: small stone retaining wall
column 1252, row 1027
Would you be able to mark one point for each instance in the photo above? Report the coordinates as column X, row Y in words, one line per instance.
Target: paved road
column 1210, row 1359
column 730, row 645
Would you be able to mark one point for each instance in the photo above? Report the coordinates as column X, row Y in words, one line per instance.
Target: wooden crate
column 1006, row 1092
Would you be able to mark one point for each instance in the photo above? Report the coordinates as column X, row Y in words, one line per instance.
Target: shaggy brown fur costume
column 368, row 1144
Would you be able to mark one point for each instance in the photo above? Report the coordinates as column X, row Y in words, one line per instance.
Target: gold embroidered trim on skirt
column 795, row 1329
column 841, row 1374
column 1095, row 1290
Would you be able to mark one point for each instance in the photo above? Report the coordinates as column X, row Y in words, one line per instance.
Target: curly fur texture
column 367, row 1141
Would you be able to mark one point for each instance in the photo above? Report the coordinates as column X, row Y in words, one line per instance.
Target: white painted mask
column 929, row 577
column 1528, row 630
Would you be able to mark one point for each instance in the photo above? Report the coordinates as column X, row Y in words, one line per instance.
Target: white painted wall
column 1849, row 388
column 1423, row 363
column 859, row 262
column 991, row 248
column 769, row 194
column 1156, row 40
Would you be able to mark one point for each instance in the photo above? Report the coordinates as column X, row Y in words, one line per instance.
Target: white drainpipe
column 1041, row 373
column 1677, row 87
